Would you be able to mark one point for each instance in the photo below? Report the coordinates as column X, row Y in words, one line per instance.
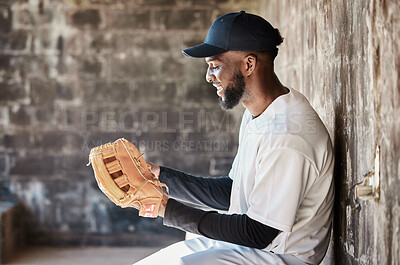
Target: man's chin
column 224, row 105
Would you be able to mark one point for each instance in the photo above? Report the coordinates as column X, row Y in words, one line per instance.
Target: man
column 275, row 207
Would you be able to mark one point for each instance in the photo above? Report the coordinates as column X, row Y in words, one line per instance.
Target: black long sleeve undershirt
column 212, row 192
column 201, row 191
column 234, row 228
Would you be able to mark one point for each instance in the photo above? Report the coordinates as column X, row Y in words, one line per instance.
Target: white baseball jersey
column 282, row 176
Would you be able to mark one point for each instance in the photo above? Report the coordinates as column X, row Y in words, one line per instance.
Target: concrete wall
column 345, row 57
column 77, row 74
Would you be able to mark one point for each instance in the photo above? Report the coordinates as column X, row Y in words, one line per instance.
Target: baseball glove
column 125, row 178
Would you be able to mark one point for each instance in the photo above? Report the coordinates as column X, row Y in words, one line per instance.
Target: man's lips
column 219, row 88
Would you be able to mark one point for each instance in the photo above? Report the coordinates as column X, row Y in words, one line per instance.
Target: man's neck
column 262, row 93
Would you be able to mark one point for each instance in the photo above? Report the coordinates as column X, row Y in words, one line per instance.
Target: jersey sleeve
column 233, row 168
column 282, row 178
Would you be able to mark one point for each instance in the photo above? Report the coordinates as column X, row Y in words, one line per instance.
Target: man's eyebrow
column 212, row 58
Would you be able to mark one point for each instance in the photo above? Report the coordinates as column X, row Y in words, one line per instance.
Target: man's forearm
column 235, row 228
column 202, row 191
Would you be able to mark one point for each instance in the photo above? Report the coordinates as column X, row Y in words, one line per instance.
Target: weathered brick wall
column 345, row 57
column 76, row 74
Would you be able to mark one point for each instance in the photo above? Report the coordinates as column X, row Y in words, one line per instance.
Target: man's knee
column 211, row 256
column 168, row 255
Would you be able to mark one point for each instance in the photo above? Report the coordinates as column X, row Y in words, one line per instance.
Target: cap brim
column 203, row 50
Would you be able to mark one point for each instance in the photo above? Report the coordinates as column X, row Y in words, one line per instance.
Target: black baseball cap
column 236, row 32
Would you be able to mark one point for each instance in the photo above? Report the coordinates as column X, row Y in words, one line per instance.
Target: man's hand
column 154, row 169
column 163, row 205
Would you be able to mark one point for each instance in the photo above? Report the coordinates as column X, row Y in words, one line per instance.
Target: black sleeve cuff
column 186, row 218
column 162, row 174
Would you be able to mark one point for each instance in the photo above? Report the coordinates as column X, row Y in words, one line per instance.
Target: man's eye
column 215, row 67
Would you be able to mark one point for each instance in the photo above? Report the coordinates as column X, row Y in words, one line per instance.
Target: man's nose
column 209, row 76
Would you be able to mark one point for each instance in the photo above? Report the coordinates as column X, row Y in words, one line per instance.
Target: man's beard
column 233, row 92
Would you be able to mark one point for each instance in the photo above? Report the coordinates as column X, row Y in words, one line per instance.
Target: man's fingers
column 155, row 169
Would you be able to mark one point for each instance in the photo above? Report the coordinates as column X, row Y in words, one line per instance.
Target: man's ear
column 250, row 64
